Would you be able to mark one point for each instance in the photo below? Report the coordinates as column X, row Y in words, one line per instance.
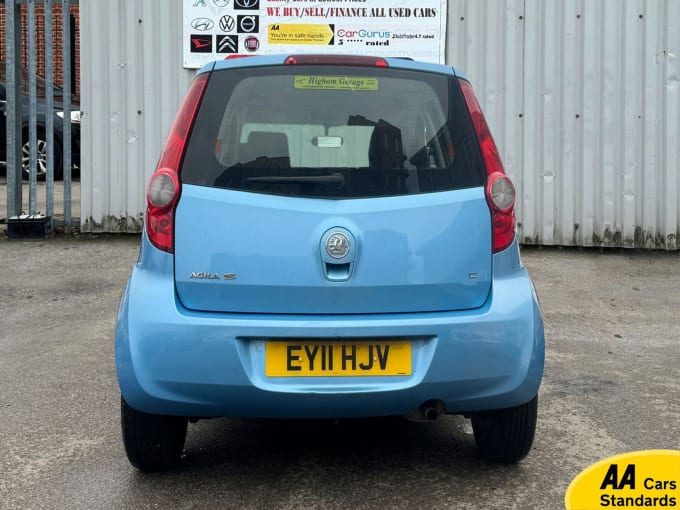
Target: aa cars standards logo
column 644, row 479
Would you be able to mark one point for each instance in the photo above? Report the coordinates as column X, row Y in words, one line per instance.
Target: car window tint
column 332, row 132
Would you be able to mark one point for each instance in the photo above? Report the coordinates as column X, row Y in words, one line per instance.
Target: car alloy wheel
column 41, row 157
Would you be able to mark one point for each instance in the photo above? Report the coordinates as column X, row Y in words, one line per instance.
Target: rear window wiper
column 336, row 178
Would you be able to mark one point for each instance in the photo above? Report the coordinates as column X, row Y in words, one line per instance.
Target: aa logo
column 646, row 479
column 611, row 479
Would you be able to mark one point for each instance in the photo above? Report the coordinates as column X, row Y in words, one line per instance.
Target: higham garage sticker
column 215, row 29
column 645, row 479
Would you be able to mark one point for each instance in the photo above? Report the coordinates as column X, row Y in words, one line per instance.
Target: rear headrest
column 266, row 143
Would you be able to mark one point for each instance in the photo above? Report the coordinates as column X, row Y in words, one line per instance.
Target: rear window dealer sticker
column 335, row 83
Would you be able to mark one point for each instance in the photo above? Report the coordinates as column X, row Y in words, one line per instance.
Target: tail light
column 164, row 187
column 500, row 192
column 339, row 60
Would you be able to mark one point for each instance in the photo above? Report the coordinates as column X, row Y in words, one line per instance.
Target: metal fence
column 32, row 131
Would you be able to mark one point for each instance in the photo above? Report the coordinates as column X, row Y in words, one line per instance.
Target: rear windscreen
column 330, row 131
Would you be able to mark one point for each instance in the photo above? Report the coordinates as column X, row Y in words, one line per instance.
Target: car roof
column 273, row 60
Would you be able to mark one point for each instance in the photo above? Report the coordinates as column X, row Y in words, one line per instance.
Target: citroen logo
column 337, row 245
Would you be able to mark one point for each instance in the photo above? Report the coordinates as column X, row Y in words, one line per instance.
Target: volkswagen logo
column 202, row 24
column 227, row 23
column 337, row 245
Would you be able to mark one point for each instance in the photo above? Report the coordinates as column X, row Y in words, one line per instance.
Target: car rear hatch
column 314, row 189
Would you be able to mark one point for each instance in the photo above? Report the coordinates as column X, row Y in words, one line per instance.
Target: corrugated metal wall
column 132, row 82
column 582, row 97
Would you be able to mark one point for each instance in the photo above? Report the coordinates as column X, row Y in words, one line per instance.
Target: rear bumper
column 173, row 361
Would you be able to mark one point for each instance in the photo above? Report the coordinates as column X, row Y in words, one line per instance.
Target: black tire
column 506, row 435
column 152, row 442
column 42, row 156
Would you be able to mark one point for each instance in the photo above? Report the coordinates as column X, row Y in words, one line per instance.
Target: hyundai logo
column 337, row 245
column 202, row 24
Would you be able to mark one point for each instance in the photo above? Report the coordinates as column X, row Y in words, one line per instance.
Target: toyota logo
column 337, row 245
column 202, row 24
column 221, row 3
column 246, row 4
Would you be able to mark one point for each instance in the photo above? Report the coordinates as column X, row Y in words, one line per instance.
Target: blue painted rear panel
column 171, row 360
column 427, row 252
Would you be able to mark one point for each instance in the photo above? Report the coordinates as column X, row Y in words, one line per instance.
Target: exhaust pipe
column 428, row 411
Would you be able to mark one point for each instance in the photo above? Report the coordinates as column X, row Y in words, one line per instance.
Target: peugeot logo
column 337, row 245
column 227, row 23
column 203, row 24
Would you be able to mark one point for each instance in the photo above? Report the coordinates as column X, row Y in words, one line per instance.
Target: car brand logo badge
column 202, row 24
column 246, row 4
column 227, row 23
column 337, row 245
column 248, row 24
column 251, row 43
column 221, row 3
column 201, row 43
column 227, row 44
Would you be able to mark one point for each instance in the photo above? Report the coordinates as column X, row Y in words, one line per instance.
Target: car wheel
column 152, row 442
column 41, row 163
column 506, row 435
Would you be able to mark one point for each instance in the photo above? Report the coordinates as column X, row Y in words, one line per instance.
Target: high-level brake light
column 336, row 60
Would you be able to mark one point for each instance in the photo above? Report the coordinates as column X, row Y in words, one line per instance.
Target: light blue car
column 328, row 237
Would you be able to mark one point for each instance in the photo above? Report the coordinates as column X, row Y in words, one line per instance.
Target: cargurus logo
column 363, row 33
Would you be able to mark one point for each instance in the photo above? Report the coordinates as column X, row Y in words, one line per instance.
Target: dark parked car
column 41, row 104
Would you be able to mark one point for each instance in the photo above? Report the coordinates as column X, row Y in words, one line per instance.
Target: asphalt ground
column 612, row 385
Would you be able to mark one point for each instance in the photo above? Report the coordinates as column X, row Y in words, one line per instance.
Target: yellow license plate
column 346, row 358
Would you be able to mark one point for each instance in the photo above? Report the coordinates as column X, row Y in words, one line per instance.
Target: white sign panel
column 215, row 29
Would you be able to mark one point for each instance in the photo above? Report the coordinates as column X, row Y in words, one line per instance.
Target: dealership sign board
column 215, row 29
